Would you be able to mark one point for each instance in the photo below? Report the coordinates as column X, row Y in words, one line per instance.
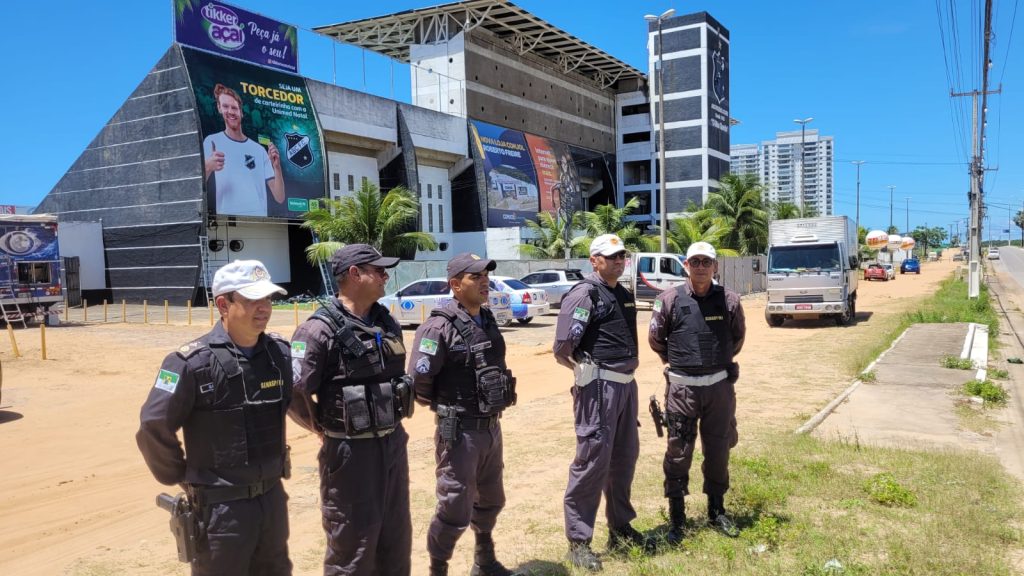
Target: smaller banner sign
column 230, row 31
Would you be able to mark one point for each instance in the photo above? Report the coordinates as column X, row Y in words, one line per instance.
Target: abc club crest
column 298, row 152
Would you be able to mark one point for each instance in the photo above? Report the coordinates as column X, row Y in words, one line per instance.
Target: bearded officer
column 351, row 390
column 458, row 366
column 697, row 328
column 229, row 390
column 596, row 336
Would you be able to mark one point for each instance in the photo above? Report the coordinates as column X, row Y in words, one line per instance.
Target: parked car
column 413, row 303
column 959, row 257
column 527, row 302
column 876, row 272
column 993, row 253
column 890, row 271
column 910, row 265
column 555, row 283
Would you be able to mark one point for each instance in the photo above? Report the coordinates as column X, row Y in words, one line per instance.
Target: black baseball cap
column 358, row 255
column 469, row 262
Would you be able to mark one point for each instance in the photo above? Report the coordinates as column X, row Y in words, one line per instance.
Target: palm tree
column 550, row 232
column 607, row 219
column 687, row 230
column 738, row 203
column 367, row 217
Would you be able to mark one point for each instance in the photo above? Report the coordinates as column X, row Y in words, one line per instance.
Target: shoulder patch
column 581, row 314
column 658, row 305
column 298, row 349
column 167, row 381
column 428, row 346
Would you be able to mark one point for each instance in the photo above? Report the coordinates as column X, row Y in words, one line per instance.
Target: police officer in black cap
column 351, row 390
column 458, row 366
column 229, row 390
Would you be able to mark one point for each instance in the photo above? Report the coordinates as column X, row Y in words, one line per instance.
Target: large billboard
column 262, row 153
column 524, row 174
column 236, row 33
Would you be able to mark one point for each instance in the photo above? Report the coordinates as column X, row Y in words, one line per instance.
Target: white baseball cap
column 606, row 245
column 701, row 249
column 247, row 277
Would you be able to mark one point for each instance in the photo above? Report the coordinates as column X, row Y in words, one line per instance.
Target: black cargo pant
column 470, row 488
column 364, row 489
column 607, row 447
column 246, row 537
column 711, row 411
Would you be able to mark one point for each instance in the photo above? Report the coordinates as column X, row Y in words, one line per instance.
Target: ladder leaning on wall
column 204, row 271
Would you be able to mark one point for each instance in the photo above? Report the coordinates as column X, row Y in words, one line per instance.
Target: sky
column 875, row 75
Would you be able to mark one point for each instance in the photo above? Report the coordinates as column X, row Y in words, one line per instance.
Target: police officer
column 229, row 390
column 351, row 389
column 697, row 328
column 458, row 366
column 596, row 336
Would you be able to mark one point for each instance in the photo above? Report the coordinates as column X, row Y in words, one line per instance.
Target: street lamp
column 803, row 172
column 662, row 200
column 891, row 188
column 907, row 198
column 857, row 163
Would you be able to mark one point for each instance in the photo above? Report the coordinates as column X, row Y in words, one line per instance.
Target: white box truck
column 813, row 270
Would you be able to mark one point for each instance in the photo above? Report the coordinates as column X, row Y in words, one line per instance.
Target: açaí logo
column 223, row 26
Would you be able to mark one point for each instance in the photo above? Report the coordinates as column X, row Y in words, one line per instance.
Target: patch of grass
column 972, row 418
column 951, row 304
column 957, row 363
column 998, row 374
column 869, row 376
column 884, row 489
column 988, row 390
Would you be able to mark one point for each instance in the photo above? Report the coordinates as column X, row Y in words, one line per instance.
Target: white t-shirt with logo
column 241, row 187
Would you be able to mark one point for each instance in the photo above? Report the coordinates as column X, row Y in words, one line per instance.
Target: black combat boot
column 484, row 562
column 581, row 556
column 438, row 567
column 623, row 538
column 718, row 519
column 676, row 520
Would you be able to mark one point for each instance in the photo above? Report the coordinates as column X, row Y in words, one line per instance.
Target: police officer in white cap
column 229, row 391
column 596, row 336
column 697, row 328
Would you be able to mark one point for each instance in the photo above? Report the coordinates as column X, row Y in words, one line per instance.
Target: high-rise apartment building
column 777, row 163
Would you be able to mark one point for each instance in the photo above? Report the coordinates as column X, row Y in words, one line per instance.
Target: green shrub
column 957, row 363
column 988, row 390
column 868, row 376
column 884, row 489
column 998, row 374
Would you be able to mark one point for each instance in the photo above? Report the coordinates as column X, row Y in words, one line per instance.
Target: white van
column 647, row 274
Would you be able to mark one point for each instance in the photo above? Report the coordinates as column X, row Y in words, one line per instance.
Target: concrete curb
column 818, row 418
column 976, row 349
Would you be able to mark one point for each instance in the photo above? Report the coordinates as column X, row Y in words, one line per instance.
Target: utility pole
column 662, row 194
column 803, row 172
column 891, row 188
column 907, row 229
column 857, row 163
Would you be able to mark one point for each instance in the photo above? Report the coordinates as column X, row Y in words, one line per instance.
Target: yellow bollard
column 42, row 338
column 14, row 343
column 124, row 311
column 423, row 313
column 210, row 306
column 145, row 311
column 295, row 308
column 85, row 310
column 167, row 313
column 104, row 310
column 67, row 311
column 189, row 312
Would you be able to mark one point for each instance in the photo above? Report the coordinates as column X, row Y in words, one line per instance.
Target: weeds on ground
column 998, row 374
column 809, row 506
column 957, row 363
column 869, row 376
column 988, row 390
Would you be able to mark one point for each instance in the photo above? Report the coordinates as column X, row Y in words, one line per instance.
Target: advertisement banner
column 262, row 153
column 28, row 242
column 524, row 174
column 236, row 33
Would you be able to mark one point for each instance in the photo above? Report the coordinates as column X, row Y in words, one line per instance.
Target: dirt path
column 76, row 498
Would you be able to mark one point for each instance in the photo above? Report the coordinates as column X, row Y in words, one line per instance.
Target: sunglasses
column 699, row 262
column 616, row 256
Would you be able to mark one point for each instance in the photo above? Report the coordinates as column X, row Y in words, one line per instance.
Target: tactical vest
column 474, row 376
column 611, row 332
column 366, row 389
column 242, row 424
column 700, row 341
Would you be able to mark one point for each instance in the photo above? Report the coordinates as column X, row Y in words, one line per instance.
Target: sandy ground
column 76, row 498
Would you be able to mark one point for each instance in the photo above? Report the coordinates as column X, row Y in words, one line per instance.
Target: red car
column 876, row 272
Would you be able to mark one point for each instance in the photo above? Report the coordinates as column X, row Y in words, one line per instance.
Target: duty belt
column 703, row 380
column 210, row 495
column 363, row 436
column 587, row 372
column 477, row 423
